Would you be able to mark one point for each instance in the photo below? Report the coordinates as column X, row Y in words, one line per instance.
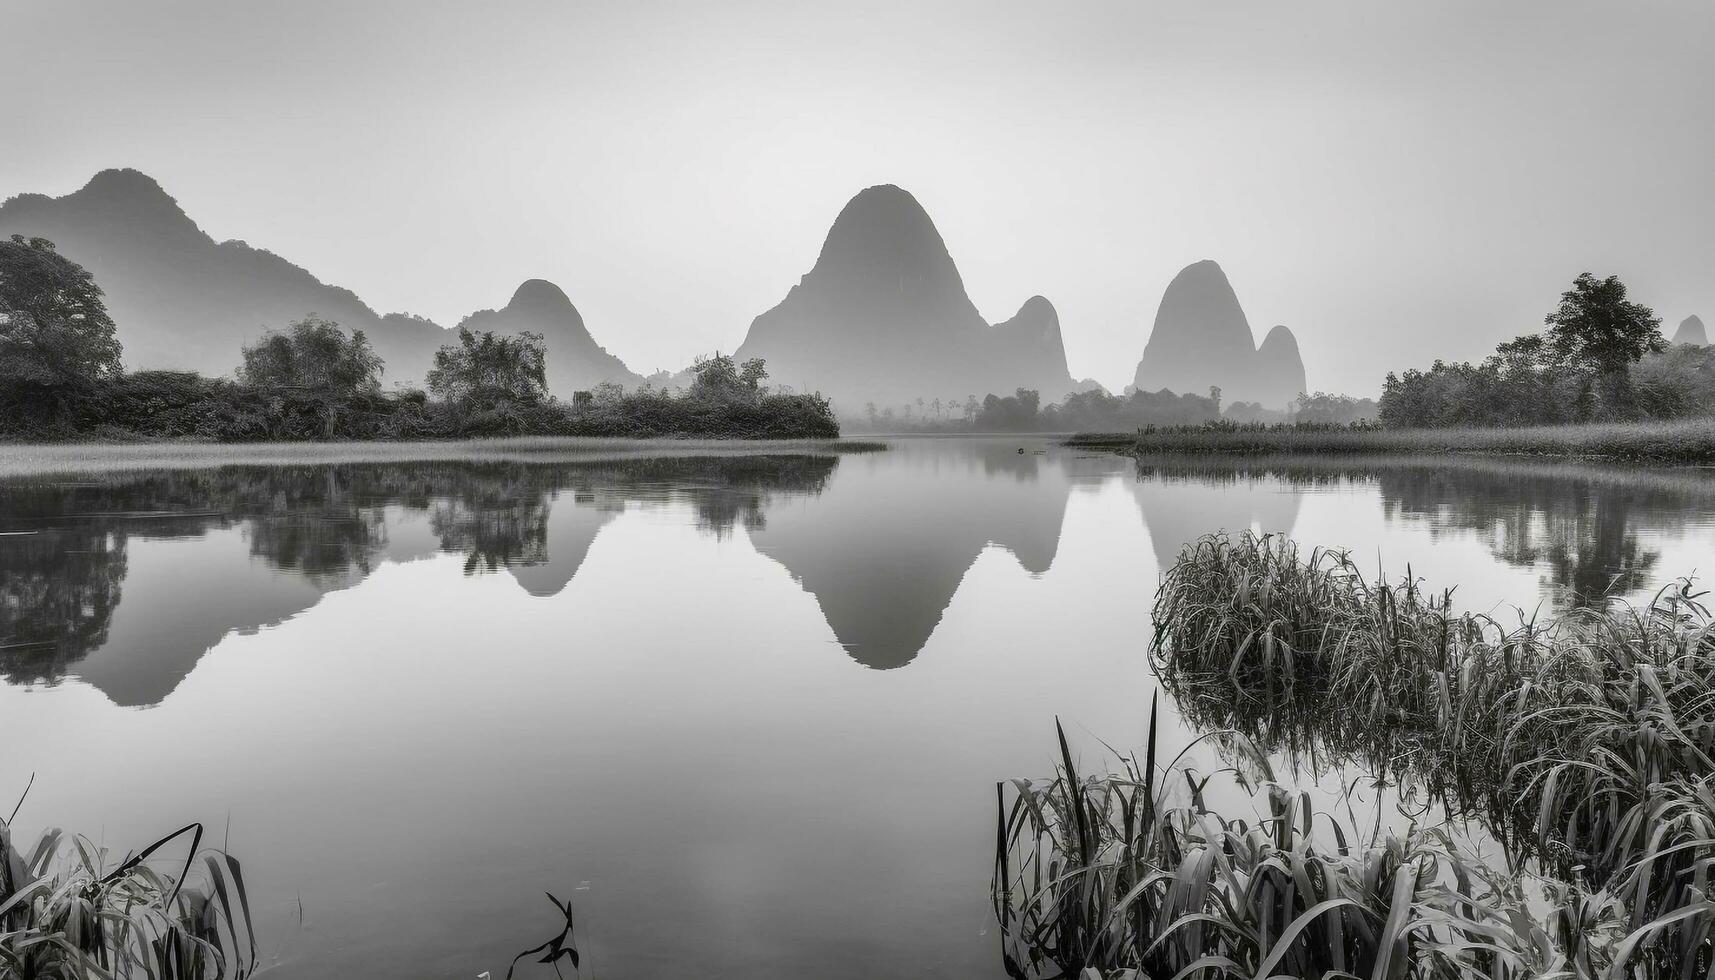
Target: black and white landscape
column 937, row 489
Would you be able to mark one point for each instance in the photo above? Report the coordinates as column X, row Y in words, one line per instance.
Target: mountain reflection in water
column 881, row 541
column 701, row 685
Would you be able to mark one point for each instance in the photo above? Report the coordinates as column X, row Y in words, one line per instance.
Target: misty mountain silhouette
column 575, row 361
column 883, row 316
column 1691, row 332
column 1202, row 339
column 181, row 300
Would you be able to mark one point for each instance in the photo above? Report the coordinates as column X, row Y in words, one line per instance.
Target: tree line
column 62, row 377
column 1601, row 358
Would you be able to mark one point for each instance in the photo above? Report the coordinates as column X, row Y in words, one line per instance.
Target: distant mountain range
column 1202, row 340
column 181, row 300
column 881, row 317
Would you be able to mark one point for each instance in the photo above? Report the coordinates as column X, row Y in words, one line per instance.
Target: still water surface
column 746, row 712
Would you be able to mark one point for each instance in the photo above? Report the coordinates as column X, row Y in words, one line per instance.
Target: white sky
column 1394, row 182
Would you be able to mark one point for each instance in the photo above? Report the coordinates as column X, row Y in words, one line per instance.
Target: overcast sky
column 1394, row 181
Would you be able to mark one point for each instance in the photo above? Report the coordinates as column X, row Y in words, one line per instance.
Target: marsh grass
column 1584, row 742
column 1130, row 874
column 69, row 910
column 1682, row 440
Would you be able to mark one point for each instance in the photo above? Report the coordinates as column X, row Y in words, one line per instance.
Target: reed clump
column 67, row 910
column 1132, row 875
column 1584, row 742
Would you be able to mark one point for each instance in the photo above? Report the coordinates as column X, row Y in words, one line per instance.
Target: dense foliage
column 313, row 359
column 490, row 372
column 1601, row 359
column 56, row 339
column 182, row 405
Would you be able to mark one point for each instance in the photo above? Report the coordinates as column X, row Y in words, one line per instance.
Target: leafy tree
column 491, row 371
column 55, row 333
column 722, row 379
column 1596, row 326
column 314, row 356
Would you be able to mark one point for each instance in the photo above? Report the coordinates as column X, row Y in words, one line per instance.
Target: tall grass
column 1584, row 742
column 68, row 910
column 1132, row 875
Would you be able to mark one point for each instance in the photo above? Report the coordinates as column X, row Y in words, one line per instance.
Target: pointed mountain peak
column 124, row 182
column 1691, row 332
column 1279, row 338
column 884, row 230
column 539, row 297
column 1038, row 308
column 1206, row 276
column 1036, row 321
column 128, row 200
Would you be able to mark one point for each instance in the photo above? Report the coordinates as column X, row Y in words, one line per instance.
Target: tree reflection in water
column 64, row 544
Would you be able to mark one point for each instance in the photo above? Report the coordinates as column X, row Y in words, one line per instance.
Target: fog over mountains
column 882, row 316
column 183, row 301
column 1202, row 340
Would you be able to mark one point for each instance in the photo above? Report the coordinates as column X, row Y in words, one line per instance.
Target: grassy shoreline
column 1580, row 743
column 1678, row 441
column 25, row 459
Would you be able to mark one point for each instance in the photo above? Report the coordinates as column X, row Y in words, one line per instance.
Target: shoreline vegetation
column 1579, row 743
column 67, row 909
column 1690, row 440
column 34, row 459
column 62, row 378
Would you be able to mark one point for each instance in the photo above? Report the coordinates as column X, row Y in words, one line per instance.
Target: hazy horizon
column 1426, row 178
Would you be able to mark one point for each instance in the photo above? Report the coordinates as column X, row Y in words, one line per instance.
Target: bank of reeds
column 1131, row 875
column 68, row 910
column 1584, row 742
column 1676, row 441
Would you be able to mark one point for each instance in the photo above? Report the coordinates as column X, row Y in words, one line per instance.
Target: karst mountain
column 883, row 317
column 1202, row 340
column 183, row 301
column 1691, row 332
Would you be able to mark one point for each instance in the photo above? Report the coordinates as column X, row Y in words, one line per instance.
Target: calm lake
column 746, row 712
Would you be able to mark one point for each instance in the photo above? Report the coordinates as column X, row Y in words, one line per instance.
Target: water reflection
column 64, row 546
column 630, row 673
column 1586, row 528
column 882, row 542
column 885, row 549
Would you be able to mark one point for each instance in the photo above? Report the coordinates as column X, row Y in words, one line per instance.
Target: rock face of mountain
column 1202, row 339
column 181, row 300
column 575, row 361
column 883, row 317
column 1691, row 332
